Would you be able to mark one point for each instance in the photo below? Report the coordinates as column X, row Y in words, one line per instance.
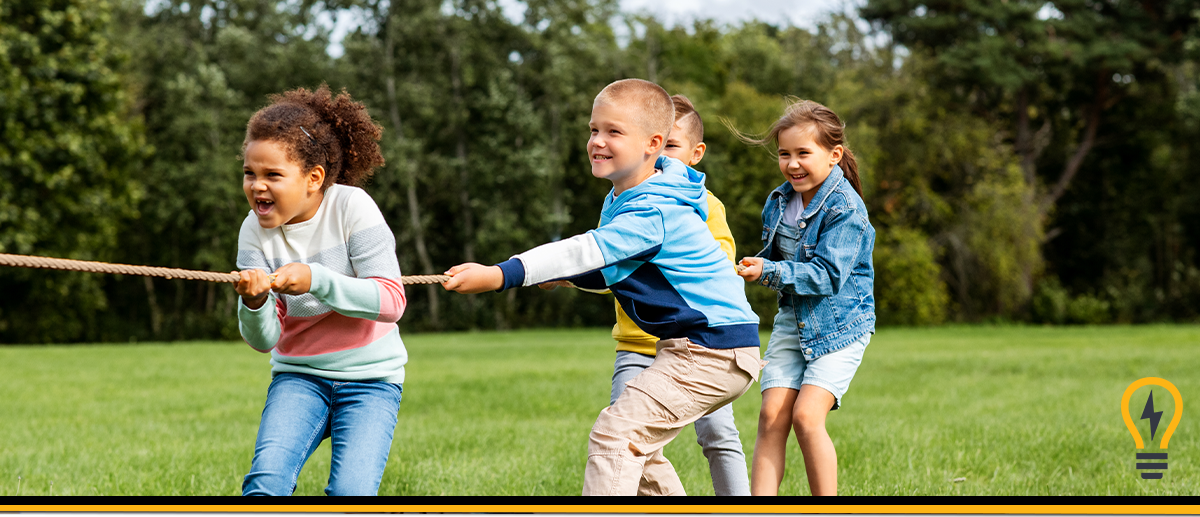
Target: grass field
column 1012, row 410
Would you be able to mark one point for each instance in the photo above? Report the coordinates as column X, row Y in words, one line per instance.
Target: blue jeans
column 715, row 432
column 301, row 411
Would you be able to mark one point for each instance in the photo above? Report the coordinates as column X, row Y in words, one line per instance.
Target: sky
column 801, row 13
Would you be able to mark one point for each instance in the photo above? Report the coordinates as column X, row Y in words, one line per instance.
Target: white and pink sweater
column 344, row 328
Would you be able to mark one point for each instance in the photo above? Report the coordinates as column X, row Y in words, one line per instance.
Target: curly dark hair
column 317, row 128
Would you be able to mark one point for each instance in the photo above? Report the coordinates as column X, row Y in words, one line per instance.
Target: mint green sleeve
column 261, row 327
column 375, row 299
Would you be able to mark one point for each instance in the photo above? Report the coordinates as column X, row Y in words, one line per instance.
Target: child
column 716, row 432
column 817, row 254
column 329, row 315
column 654, row 251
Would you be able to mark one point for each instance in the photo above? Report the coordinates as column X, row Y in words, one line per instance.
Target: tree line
column 1022, row 161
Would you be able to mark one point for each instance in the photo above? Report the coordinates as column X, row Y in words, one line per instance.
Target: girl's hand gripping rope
column 471, row 278
column 294, row 278
column 253, row 284
column 750, row 268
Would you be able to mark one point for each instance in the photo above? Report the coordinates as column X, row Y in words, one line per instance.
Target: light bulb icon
column 1148, row 413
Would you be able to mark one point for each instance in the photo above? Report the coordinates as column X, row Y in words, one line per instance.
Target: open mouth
column 598, row 158
column 263, row 206
column 797, row 177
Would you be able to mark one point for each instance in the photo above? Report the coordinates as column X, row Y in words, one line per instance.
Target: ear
column 836, row 155
column 655, row 144
column 316, row 178
column 698, row 153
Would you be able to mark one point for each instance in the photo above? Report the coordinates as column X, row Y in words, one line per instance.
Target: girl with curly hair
column 328, row 313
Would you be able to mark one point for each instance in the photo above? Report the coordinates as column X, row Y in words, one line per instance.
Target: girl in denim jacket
column 817, row 254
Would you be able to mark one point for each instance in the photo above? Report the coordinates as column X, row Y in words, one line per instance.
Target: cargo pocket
column 748, row 361
column 675, row 401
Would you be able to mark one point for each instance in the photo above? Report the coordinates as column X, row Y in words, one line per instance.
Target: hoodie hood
column 677, row 182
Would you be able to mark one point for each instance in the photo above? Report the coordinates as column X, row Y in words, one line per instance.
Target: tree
column 1058, row 66
column 201, row 69
column 68, row 154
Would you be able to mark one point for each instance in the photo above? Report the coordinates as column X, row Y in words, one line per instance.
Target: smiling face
column 680, row 147
column 803, row 162
column 277, row 190
column 621, row 151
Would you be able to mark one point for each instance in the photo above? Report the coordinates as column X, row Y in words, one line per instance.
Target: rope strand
column 163, row 272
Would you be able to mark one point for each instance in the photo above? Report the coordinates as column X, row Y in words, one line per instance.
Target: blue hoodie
column 675, row 287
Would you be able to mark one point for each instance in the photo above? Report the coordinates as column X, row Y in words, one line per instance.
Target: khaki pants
column 685, row 382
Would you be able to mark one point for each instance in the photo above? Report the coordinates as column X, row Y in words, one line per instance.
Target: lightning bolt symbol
column 1150, row 413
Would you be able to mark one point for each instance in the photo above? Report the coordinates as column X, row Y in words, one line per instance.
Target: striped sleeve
column 375, row 292
column 261, row 327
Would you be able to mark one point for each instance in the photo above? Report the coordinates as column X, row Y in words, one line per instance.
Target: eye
column 614, row 131
column 672, row 145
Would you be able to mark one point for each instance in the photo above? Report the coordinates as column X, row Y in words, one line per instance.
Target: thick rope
column 164, row 272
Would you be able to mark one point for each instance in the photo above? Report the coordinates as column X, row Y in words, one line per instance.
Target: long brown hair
column 829, row 127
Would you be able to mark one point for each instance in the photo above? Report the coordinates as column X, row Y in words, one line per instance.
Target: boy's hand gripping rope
column 164, row 272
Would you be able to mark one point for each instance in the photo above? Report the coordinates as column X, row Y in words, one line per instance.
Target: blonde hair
column 655, row 112
column 828, row 126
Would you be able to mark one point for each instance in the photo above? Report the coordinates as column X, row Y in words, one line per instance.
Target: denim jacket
column 830, row 283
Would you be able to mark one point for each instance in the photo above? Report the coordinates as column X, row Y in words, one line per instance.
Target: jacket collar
column 831, row 183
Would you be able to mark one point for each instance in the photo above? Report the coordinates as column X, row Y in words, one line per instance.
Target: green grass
column 1013, row 410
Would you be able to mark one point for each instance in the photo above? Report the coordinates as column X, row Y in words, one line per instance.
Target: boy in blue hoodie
column 655, row 253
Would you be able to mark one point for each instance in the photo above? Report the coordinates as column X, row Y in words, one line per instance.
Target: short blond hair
column 655, row 111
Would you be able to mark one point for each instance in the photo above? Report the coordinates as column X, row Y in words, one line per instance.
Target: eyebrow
column 610, row 122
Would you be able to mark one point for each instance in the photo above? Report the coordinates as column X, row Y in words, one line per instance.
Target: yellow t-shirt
column 629, row 337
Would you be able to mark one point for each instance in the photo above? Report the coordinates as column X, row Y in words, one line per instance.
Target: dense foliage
column 68, row 147
column 1024, row 161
